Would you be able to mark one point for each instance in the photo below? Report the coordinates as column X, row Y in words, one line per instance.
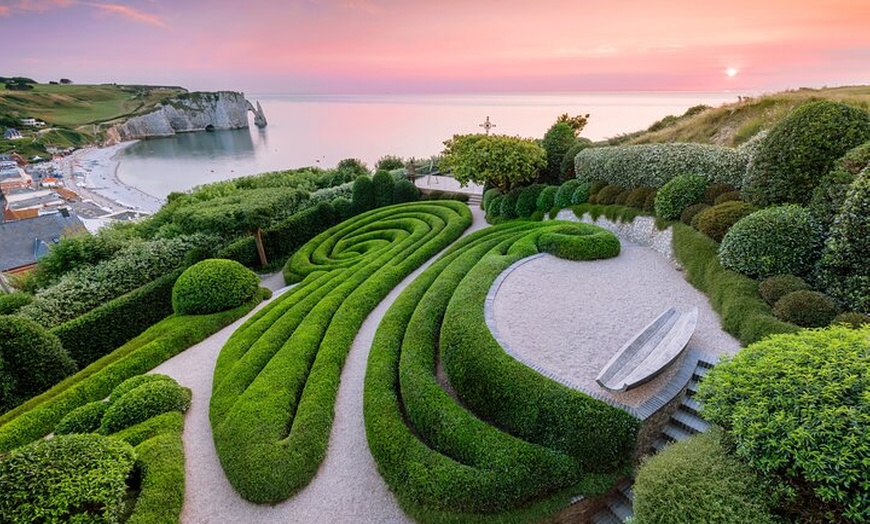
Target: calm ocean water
column 321, row 130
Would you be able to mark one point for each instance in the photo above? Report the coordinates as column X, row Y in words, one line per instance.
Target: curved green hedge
column 277, row 377
column 445, row 462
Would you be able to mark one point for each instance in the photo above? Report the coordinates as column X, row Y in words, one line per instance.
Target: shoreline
column 94, row 172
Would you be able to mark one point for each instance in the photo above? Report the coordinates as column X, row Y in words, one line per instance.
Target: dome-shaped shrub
column 691, row 212
column 547, row 198
column 403, row 191
column 714, row 191
column 774, row 288
column 679, row 193
column 83, row 419
column 608, row 194
column 527, row 201
column 509, row 204
column 344, row 208
column 493, row 208
column 650, row 204
column 382, row 186
column 800, row 149
column 773, row 241
column 566, row 191
column 31, row 360
column 213, row 285
column 134, row 382
column 622, row 197
column 637, row 197
column 12, row 302
column 144, row 402
column 731, row 196
column 580, row 195
column 717, row 220
column 363, row 195
column 806, row 309
column 488, row 195
column 852, row 319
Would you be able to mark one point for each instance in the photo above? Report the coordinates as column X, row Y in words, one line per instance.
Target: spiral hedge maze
column 276, row 379
column 514, row 445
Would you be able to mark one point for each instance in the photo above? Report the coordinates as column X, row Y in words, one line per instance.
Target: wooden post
column 258, row 238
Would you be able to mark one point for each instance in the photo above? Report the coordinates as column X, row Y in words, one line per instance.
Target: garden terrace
column 503, row 446
column 276, row 380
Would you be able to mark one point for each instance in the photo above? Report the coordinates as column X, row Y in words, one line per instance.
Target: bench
column 646, row 355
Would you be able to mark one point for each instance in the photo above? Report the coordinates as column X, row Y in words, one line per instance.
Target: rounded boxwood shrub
column 806, row 308
column 547, row 198
column 650, row 204
column 70, row 478
column 509, row 204
column 566, row 192
column 852, row 319
column 488, row 195
column 637, row 197
column 773, row 241
column 344, row 208
column 691, row 212
column 493, row 209
column 607, row 196
column 83, row 419
column 622, row 197
column 31, row 360
column 697, row 480
column 527, row 201
column 146, row 401
column 213, row 285
column 595, row 186
column 580, row 195
column 12, row 302
column 678, row 194
column 731, row 196
column 383, row 186
column 714, row 191
column 403, row 191
column 717, row 220
column 363, row 195
column 774, row 288
column 134, row 382
column 801, row 147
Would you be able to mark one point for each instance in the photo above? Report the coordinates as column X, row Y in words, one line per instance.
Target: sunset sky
column 399, row 46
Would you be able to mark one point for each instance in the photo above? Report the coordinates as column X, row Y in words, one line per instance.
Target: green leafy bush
column 801, row 147
column 493, row 209
column 488, row 195
column 70, row 478
column 650, row 203
column 143, row 402
column 580, row 195
column 567, row 167
column 637, row 197
column 527, row 201
column 679, row 193
column 806, row 308
column 774, row 288
column 383, row 186
column 731, row 196
column 344, row 207
column 83, row 419
column 608, row 194
column 796, row 409
column 546, row 199
column 844, row 267
column 285, row 237
column 690, row 213
column 363, row 198
column 829, row 196
column 773, row 241
column 698, row 480
column 852, row 319
column 389, row 163
column 714, row 191
column 557, row 141
column 509, row 204
column 31, row 360
column 653, row 165
column 213, row 285
column 565, row 192
column 717, row 220
column 134, row 382
column 595, row 186
column 582, row 244
column 11, row 302
column 403, row 191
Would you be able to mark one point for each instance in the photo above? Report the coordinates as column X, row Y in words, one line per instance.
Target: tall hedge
column 800, row 149
column 652, row 165
column 382, row 185
column 363, row 198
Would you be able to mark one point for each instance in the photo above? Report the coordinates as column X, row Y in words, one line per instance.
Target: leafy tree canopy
column 502, row 161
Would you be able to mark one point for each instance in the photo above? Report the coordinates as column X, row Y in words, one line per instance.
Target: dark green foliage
column 352, row 167
column 364, row 197
column 527, row 201
column 566, row 170
column 83, row 419
column 276, row 379
column 102, row 330
column 38, row 416
column 566, row 192
column 493, row 209
column 243, row 251
column 730, row 196
column 621, row 197
column 31, row 360
column 689, row 214
column 774, row 288
column 829, row 196
column 800, row 149
column 855, row 160
column 797, row 410
column 439, row 456
column 283, row 239
column 143, row 402
column 580, row 244
column 488, row 195
column 773, row 241
column 76, row 251
column 160, row 461
column 679, row 193
column 70, row 478
column 403, row 191
column 557, row 141
column 717, row 220
column 714, row 191
column 806, row 308
column 734, row 297
column 344, row 207
column 134, row 382
column 650, row 203
column 595, row 186
column 637, row 197
column 852, row 319
column 383, row 186
column 580, row 195
column 509, row 204
column 213, row 285
column 607, row 196
column 845, row 263
column 696, row 481
column 11, row 302
column 389, row 163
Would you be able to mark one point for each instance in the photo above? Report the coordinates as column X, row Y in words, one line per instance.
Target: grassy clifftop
column 734, row 123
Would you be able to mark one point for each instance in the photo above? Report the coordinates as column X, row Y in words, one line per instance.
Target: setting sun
column 731, row 72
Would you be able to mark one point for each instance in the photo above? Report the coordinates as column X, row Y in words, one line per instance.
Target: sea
column 321, row 130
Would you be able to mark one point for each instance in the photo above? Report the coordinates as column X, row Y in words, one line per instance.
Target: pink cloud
column 130, row 13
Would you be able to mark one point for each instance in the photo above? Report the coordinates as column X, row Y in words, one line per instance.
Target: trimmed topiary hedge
column 806, row 308
column 566, row 192
column 852, row 319
column 715, row 191
column 363, row 197
column 11, row 302
column 143, row 402
column 213, row 285
column 83, row 419
column 527, row 201
column 547, row 199
column 637, row 197
column 277, row 378
column 653, row 165
column 383, row 186
column 717, row 220
column 773, row 241
column 70, row 478
column 774, row 288
column 516, row 437
column 679, row 193
column 403, row 191
column 689, row 214
column 800, row 148
column 608, row 195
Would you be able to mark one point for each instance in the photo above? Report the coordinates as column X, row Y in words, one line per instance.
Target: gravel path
column 348, row 487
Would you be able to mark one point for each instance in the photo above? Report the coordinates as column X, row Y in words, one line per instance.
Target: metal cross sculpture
column 487, row 125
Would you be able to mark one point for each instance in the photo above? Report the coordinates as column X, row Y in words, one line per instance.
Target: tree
column 557, row 141
column 65, row 81
column 503, row 161
column 577, row 122
column 389, row 163
column 797, row 409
